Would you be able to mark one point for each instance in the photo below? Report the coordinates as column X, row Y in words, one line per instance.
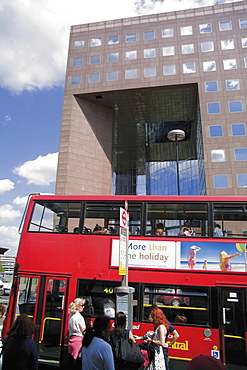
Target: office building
column 129, row 82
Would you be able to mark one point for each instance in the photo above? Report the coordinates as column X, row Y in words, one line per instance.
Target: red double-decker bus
column 187, row 255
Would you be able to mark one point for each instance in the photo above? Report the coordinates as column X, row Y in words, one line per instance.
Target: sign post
column 124, row 292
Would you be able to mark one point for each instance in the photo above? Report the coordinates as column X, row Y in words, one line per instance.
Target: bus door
column 233, row 317
column 51, row 298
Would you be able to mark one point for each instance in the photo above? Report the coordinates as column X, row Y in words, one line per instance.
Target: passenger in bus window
column 186, row 230
column 77, row 328
column 99, row 229
column 217, row 231
column 160, row 229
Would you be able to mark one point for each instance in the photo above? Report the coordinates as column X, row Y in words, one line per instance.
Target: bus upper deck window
column 104, row 218
column 169, row 218
column 230, row 220
column 59, row 217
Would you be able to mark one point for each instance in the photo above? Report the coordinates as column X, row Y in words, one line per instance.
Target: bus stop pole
column 124, row 293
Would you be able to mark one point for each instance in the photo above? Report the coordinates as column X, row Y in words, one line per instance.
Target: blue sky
column 34, row 43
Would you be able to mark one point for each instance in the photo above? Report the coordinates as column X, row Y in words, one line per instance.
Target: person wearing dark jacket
column 116, row 334
column 19, row 350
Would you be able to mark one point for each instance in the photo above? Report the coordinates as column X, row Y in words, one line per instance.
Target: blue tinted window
column 93, row 77
column 113, row 40
column 79, row 44
column 112, row 76
column 232, row 85
column 211, row 86
column 131, row 37
column 216, row 131
column 75, row 80
column 150, row 72
column 94, row 59
column 240, row 154
column 242, row 180
column 112, row 57
column 77, row 61
column 213, row 108
column 149, row 35
column 235, row 106
column 205, row 28
column 238, row 129
column 220, row 181
column 130, row 73
column 243, row 23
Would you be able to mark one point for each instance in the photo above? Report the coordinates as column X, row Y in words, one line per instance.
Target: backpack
column 126, row 350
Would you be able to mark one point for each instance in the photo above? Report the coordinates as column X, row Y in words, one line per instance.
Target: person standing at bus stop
column 19, row 351
column 161, row 327
column 77, row 328
column 96, row 351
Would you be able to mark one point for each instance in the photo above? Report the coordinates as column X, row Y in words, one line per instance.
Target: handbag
column 128, row 351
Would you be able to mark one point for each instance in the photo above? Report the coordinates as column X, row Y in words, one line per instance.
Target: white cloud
column 6, row 185
column 20, row 201
column 41, row 171
column 9, row 239
column 35, row 34
column 8, row 214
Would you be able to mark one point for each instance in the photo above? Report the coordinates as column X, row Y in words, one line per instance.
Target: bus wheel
column 175, row 302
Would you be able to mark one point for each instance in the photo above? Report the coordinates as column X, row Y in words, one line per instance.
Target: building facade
column 131, row 81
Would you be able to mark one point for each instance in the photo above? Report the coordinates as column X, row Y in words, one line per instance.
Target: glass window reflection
column 225, row 26
column 244, row 42
column 235, row 106
column 131, row 55
column 169, row 70
column 130, row 73
column 238, row 129
column 189, row 68
column 168, row 50
column 94, row 77
column 211, row 86
column 187, row 49
column 232, row 85
column 167, row 32
column 207, row 46
column 205, row 28
column 240, row 154
column 218, row 155
column 113, row 40
column 215, row 131
column 242, row 180
column 76, row 80
column 209, row 66
column 213, row 108
column 112, row 57
column 112, row 76
column 220, row 181
column 149, row 53
column 185, row 31
column 229, row 64
column 149, row 35
column 227, row 44
column 150, row 72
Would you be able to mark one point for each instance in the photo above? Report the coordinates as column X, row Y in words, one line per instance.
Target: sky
column 34, row 45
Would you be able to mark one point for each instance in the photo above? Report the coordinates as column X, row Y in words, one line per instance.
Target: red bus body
column 53, row 268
